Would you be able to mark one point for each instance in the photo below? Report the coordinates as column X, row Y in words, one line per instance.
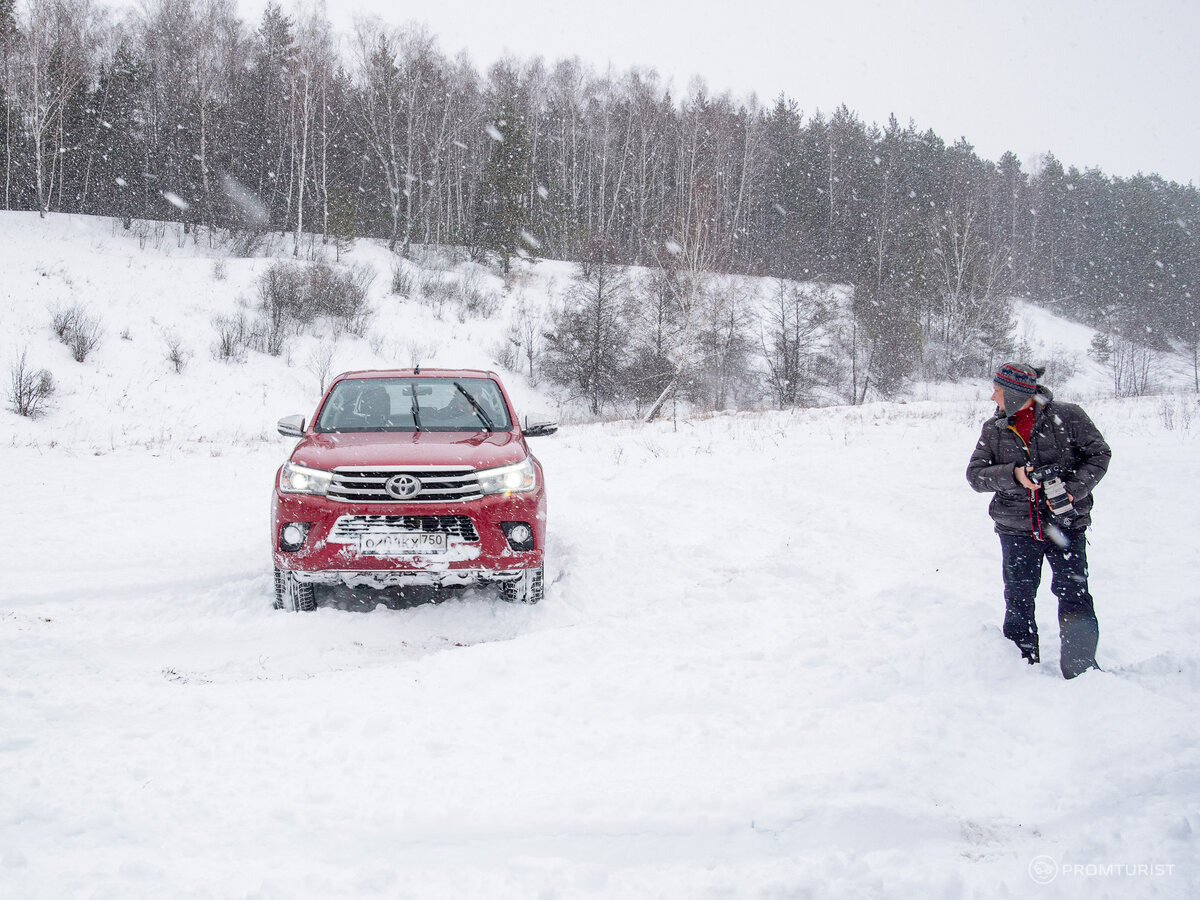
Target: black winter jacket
column 1062, row 433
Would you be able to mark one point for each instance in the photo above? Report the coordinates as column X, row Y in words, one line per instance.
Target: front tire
column 528, row 587
column 290, row 593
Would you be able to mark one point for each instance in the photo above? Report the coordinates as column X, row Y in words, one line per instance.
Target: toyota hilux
column 410, row 477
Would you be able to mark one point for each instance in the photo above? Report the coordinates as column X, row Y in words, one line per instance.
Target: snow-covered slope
column 154, row 284
column 769, row 663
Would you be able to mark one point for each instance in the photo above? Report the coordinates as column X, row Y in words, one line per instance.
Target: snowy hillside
column 153, row 285
column 769, row 663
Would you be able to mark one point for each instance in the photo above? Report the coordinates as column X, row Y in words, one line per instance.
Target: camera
column 1050, row 478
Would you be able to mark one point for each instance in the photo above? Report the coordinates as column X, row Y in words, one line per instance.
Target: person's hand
column 1021, row 473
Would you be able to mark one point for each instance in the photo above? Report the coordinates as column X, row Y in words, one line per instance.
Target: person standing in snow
column 1029, row 434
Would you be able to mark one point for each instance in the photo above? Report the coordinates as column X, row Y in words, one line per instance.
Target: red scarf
column 1022, row 421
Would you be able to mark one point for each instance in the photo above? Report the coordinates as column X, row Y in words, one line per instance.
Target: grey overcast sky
column 1110, row 84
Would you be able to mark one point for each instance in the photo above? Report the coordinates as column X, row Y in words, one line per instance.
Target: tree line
column 180, row 110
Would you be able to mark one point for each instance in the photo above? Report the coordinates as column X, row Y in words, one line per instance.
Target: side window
column 333, row 416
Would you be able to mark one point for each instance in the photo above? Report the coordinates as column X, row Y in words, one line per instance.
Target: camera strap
column 1035, row 513
column 1035, row 516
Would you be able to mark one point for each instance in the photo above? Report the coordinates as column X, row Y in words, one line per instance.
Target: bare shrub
column 429, row 256
column 507, row 353
column 246, row 243
column 1061, row 364
column 77, row 330
column 473, row 300
column 339, row 294
column 29, row 391
column 465, row 293
column 233, row 338
column 177, row 354
column 64, row 321
column 1176, row 414
column 521, row 346
column 428, row 283
column 419, row 352
column 84, row 341
column 320, row 363
column 434, row 290
column 291, row 297
column 402, row 280
column 281, row 306
column 1133, row 367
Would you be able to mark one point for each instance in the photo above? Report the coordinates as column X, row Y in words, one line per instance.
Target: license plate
column 416, row 543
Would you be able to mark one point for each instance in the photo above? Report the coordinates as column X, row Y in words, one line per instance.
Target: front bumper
column 475, row 552
column 402, row 578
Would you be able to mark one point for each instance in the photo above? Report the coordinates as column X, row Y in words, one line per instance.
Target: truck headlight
column 294, row 479
column 517, row 478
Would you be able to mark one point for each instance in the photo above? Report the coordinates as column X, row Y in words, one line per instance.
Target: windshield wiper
column 416, row 409
column 483, row 416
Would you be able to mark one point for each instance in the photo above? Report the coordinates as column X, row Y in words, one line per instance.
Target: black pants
column 1077, row 625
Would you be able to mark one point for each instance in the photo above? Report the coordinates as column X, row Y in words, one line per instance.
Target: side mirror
column 539, row 429
column 291, row 426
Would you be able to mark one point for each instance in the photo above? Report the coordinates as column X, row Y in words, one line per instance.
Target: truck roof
column 418, row 372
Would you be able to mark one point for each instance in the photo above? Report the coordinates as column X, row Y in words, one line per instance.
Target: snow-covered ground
column 769, row 663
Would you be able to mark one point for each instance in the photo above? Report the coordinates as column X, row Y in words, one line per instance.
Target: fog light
column 291, row 536
column 519, row 534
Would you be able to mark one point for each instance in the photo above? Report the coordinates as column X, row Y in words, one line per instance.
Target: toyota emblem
column 403, row 487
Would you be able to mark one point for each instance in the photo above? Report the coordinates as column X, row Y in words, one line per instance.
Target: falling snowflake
column 175, row 200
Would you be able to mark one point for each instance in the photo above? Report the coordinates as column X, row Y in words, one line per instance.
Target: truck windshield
column 414, row 404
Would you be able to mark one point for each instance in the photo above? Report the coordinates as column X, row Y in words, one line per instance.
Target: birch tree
column 58, row 38
column 8, row 39
column 308, row 114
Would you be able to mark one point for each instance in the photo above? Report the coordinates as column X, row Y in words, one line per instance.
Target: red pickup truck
column 408, row 477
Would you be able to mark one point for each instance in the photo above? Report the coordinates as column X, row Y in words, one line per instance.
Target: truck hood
column 482, row 450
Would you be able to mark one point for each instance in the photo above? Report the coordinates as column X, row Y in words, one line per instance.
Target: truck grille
column 438, row 484
column 347, row 529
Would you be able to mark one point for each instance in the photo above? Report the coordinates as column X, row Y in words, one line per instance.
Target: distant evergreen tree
column 342, row 219
column 261, row 163
column 781, row 225
column 888, row 337
column 851, row 166
column 502, row 219
column 1011, row 223
column 812, row 180
column 1049, row 190
column 119, row 145
column 588, row 346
